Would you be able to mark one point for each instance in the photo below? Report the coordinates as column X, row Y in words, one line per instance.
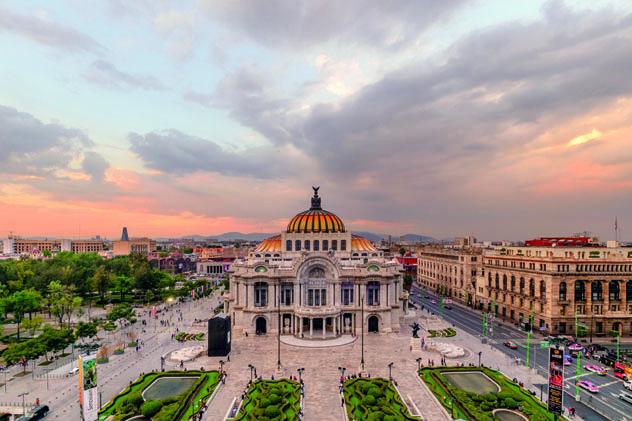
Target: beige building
column 135, row 245
column 16, row 245
column 449, row 271
column 315, row 280
column 559, row 284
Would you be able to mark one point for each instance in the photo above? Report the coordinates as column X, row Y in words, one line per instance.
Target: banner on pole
column 556, row 380
column 88, row 387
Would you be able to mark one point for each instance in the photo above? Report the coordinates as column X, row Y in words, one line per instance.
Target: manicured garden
column 454, row 388
column 374, row 399
column 183, row 336
column 446, row 333
column 271, row 400
column 162, row 396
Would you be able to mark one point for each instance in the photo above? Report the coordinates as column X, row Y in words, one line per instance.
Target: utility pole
column 362, row 326
column 529, row 336
column 279, row 330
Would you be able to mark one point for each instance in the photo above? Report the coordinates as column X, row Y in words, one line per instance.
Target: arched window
column 317, row 273
column 505, row 282
column 580, row 290
column 613, row 291
column 628, row 291
column 261, row 294
column 325, row 245
column 596, row 290
column 542, row 290
column 297, row 245
column 531, row 288
column 316, row 245
column 562, row 294
column 334, row 244
column 521, row 285
column 497, row 284
column 343, row 245
column 288, row 245
column 306, row 245
column 513, row 283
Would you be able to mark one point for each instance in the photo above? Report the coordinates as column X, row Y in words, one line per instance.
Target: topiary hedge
column 374, row 399
column 271, row 400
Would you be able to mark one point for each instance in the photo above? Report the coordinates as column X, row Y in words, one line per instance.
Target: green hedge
column 271, row 400
column 473, row 406
column 374, row 399
column 448, row 332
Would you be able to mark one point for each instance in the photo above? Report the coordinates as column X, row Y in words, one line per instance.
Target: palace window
column 343, row 245
column 316, row 245
column 334, row 244
column 346, row 293
column 373, row 293
column 288, row 245
column 261, row 294
column 287, row 294
column 596, row 289
column 580, row 290
column 325, row 245
column 297, row 244
column 316, row 297
column 306, row 245
column 613, row 291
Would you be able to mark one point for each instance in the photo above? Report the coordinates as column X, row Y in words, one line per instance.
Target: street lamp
column 362, row 326
column 251, row 367
column 162, row 363
column 221, row 366
column 279, row 331
column 300, row 372
column 22, row 395
column 342, row 371
column 419, row 363
column 390, row 367
column 479, row 357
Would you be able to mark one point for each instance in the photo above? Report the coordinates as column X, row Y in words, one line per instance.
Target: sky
column 506, row 120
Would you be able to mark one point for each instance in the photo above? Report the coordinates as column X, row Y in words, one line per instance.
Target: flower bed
column 474, row 406
column 183, row 336
column 130, row 402
column 271, row 400
column 374, row 399
column 447, row 333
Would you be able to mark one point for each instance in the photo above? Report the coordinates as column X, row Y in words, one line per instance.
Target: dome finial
column 315, row 199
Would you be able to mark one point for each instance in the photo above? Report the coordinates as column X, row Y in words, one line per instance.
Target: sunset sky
column 506, row 120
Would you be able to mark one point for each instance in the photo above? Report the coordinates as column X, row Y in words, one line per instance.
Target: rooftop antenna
column 616, row 229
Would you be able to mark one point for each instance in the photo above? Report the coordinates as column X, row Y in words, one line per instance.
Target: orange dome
column 361, row 244
column 316, row 219
column 270, row 245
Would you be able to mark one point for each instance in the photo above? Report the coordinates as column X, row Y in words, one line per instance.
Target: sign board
column 88, row 387
column 545, row 344
column 556, row 380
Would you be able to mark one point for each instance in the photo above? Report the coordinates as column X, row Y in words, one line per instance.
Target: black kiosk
column 219, row 335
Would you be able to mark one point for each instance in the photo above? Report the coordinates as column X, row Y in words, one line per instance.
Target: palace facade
column 315, row 280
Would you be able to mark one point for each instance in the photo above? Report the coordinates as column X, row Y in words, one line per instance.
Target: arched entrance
column 617, row 327
column 260, row 326
column 374, row 324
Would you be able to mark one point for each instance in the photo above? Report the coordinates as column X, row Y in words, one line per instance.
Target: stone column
column 300, row 326
column 324, row 326
column 311, row 327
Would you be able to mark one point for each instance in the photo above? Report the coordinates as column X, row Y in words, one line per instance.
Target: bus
column 622, row 371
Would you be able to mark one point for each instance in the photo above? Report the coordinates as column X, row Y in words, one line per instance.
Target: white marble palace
column 315, row 280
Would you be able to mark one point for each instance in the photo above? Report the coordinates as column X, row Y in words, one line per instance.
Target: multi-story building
column 449, row 271
column 559, row 286
column 315, row 280
column 134, row 245
column 23, row 246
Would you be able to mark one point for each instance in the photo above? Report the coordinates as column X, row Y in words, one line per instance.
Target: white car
column 628, row 384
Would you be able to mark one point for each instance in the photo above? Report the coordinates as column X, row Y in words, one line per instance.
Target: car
column 628, row 384
column 37, row 413
column 588, row 385
column 73, row 371
column 433, row 301
column 568, row 360
column 596, row 369
column 626, row 397
column 510, row 345
column 426, row 296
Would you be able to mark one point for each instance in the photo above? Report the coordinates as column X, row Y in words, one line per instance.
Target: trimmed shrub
column 510, row 403
column 369, row 400
column 167, row 412
column 272, row 411
column 274, row 399
column 150, row 408
column 265, row 402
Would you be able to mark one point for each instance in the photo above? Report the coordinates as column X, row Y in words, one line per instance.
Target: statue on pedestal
column 415, row 326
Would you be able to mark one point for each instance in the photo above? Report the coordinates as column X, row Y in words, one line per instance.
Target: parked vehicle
column 568, row 360
column 37, row 413
column 627, row 384
column 588, row 385
column 622, row 370
column 510, row 345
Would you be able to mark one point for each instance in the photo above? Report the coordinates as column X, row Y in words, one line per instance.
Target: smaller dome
column 361, row 244
column 269, row 245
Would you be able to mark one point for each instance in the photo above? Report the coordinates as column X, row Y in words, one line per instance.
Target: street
column 599, row 406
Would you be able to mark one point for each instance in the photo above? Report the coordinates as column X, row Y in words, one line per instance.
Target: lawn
column 172, row 399
column 470, row 405
column 271, row 400
column 374, row 399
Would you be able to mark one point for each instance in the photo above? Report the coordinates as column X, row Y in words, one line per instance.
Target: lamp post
column 342, row 371
column 251, row 367
column 362, row 327
column 22, row 395
column 418, row 363
column 279, row 332
column 162, row 363
column 390, row 368
column 300, row 374
column 479, row 357
column 221, row 367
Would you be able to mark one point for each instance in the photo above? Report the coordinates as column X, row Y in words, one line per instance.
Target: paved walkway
column 324, row 343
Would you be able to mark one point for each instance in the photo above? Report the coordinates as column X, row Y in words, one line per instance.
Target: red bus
column 622, row 371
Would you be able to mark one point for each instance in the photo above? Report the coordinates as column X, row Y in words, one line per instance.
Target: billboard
column 88, row 387
column 556, row 380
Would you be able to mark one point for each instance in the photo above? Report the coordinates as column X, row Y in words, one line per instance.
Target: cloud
column 48, row 33
column 585, row 138
column 94, row 165
column 174, row 152
column 106, row 74
column 296, row 25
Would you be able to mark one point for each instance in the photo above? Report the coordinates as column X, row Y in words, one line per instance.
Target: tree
column 122, row 311
column 123, row 284
column 21, row 303
column 33, row 324
column 63, row 301
column 402, row 251
column 102, row 281
column 408, row 281
column 86, row 330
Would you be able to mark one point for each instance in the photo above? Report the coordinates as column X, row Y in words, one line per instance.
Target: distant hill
column 257, row 236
